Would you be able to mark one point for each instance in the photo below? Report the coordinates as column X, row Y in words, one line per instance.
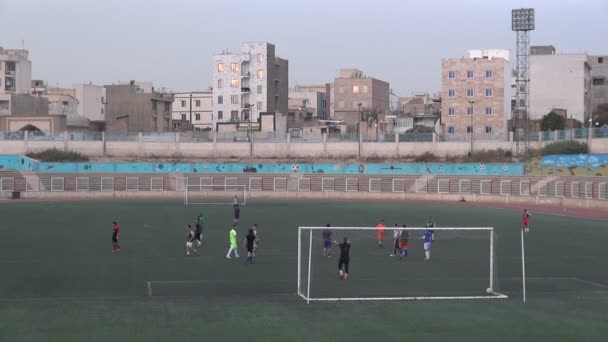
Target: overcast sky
column 172, row 42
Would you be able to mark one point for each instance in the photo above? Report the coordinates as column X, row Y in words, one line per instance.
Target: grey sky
column 171, row 42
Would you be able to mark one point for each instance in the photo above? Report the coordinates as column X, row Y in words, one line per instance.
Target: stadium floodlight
column 462, row 268
column 522, row 19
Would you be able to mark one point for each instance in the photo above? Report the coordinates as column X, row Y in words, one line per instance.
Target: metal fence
column 565, row 187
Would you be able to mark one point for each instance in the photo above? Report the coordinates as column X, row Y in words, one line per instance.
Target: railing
column 574, row 188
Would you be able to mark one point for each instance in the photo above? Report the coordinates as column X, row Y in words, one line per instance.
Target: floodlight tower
column 522, row 22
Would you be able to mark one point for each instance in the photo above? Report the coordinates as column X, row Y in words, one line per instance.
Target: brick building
column 476, row 95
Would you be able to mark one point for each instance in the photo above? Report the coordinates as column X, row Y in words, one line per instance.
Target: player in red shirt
column 526, row 218
column 115, row 231
column 380, row 233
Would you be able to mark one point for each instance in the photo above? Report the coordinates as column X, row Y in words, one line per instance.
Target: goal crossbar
column 216, row 193
column 490, row 292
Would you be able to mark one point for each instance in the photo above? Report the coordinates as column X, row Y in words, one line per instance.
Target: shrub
column 565, row 147
column 55, row 155
column 426, row 157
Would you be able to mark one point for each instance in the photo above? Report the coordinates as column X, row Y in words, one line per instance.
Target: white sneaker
column 391, row 255
column 228, row 257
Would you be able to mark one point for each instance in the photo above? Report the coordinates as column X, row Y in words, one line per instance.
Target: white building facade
column 196, row 108
column 249, row 83
column 308, row 98
column 15, row 72
column 91, row 101
column 560, row 81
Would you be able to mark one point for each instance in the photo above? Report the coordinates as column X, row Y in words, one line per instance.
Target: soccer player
column 256, row 242
column 344, row 260
column 403, row 243
column 189, row 240
column 327, row 241
column 115, row 231
column 249, row 243
column 202, row 220
column 233, row 246
column 237, row 214
column 380, row 233
column 396, row 236
column 198, row 231
column 428, row 238
column 431, row 224
column 235, row 202
column 526, row 217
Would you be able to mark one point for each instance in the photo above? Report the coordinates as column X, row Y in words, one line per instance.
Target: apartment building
column 131, row 109
column 354, row 92
column 20, row 111
column 420, row 109
column 310, row 97
column 561, row 82
column 192, row 111
column 476, row 94
column 599, row 81
column 248, row 83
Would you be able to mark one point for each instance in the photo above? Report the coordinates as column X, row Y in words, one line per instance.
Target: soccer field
column 60, row 281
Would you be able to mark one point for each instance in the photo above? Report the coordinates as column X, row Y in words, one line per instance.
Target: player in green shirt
column 233, row 244
column 200, row 224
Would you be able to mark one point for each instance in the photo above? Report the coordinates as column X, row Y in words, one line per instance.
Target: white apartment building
column 560, row 81
column 91, row 101
column 248, row 83
column 15, row 72
column 196, row 108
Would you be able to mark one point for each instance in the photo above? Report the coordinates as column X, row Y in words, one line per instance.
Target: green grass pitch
column 60, row 281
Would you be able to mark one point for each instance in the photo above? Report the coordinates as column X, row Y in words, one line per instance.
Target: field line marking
column 592, row 282
column 8, row 299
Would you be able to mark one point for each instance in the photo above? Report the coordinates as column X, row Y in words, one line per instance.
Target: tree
column 600, row 115
column 552, row 122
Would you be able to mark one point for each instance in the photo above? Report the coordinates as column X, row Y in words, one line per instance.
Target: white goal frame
column 215, row 189
column 491, row 292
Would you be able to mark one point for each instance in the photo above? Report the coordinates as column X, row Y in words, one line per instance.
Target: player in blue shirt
column 428, row 238
column 327, row 241
column 430, row 224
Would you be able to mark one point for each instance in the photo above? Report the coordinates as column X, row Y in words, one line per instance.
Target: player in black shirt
column 344, row 258
column 249, row 244
column 197, row 233
column 237, row 214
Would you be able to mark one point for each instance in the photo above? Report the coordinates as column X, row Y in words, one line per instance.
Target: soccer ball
column 489, row 290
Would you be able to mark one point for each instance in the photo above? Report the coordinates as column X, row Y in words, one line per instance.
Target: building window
column 234, row 99
column 183, row 103
column 261, row 74
column 364, row 104
column 234, row 83
column 469, row 75
column 599, row 81
column 451, row 75
column 197, row 117
column 220, row 99
column 341, row 90
column 600, row 60
column 154, row 105
column 259, row 57
column 356, row 104
column 234, row 66
column 220, row 67
column 220, row 84
column 488, row 111
column 197, row 103
column 183, row 117
column 451, row 130
column 489, row 74
column 220, row 115
column 470, row 93
column 451, row 111
column 259, row 89
column 489, row 92
column 489, row 129
column 355, row 89
column 340, row 104
column 451, row 93
column 234, row 115
column 469, row 129
column 364, row 89
column 470, row 111
column 259, row 106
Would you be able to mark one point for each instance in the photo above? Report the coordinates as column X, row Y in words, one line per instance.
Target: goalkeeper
column 344, row 260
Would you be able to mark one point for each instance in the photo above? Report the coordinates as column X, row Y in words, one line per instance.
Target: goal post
column 462, row 266
column 223, row 194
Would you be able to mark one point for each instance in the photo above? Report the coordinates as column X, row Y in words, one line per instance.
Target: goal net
column 215, row 194
column 462, row 265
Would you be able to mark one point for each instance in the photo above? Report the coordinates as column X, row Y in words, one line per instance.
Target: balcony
column 245, row 90
column 245, row 73
column 245, row 105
